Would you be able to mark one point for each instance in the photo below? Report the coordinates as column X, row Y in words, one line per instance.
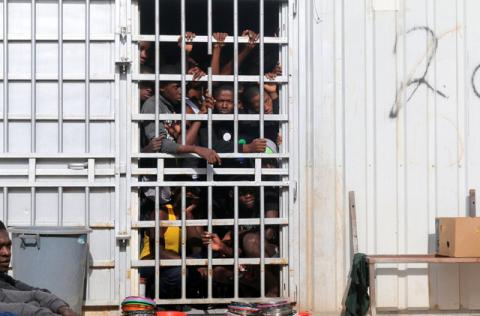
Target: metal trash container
column 53, row 258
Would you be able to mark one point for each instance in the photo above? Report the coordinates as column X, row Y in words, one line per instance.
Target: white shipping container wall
column 393, row 105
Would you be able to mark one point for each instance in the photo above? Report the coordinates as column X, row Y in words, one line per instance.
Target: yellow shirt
column 172, row 236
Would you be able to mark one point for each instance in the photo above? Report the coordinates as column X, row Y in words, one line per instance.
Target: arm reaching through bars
column 217, row 48
column 217, row 51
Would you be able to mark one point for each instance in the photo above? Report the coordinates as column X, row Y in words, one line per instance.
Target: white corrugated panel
column 57, row 125
column 393, row 115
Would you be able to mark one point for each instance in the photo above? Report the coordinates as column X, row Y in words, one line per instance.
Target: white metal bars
column 159, row 161
column 258, row 171
column 33, row 111
column 236, row 248
column 258, row 162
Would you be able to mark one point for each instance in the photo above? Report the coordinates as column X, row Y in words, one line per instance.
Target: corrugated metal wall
column 58, row 126
column 391, row 92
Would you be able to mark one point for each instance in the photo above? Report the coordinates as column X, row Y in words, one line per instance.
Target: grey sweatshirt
column 169, row 146
column 9, row 283
column 30, row 303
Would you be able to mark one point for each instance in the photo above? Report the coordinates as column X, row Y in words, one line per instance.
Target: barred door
column 256, row 264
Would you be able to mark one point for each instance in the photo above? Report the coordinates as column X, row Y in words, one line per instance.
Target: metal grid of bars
column 58, row 165
column 284, row 183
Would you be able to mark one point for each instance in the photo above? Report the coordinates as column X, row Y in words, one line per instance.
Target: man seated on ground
column 20, row 298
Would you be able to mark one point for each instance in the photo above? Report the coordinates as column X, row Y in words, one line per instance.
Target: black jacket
column 270, row 128
column 358, row 300
column 222, row 137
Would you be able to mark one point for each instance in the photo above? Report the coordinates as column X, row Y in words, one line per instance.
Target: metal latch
column 123, row 238
column 123, row 64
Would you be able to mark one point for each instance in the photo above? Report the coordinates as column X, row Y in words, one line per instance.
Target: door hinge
column 294, row 7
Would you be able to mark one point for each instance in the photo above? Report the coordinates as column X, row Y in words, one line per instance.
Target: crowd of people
column 166, row 137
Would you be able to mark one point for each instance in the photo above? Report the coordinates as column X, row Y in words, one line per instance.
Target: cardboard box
column 458, row 236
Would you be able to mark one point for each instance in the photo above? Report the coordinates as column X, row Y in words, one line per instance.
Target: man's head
column 223, row 96
column 195, row 90
column 143, row 49
column 171, row 90
column 247, row 198
column 5, row 248
column 252, row 100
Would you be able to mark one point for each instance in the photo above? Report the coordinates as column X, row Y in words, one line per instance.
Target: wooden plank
column 418, row 259
column 372, row 289
column 353, row 220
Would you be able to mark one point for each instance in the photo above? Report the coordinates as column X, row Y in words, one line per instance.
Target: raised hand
column 252, row 38
column 220, row 39
column 189, row 36
column 197, row 72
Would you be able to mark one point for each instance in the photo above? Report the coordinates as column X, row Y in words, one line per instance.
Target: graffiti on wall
column 414, row 83
column 474, row 87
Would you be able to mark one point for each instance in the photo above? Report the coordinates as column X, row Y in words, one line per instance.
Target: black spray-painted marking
column 473, row 81
column 417, row 82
